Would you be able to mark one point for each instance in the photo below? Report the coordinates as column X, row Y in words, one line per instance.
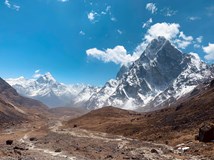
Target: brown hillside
column 174, row 125
column 15, row 108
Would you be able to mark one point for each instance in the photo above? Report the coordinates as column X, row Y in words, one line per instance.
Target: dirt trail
column 82, row 133
column 81, row 144
column 149, row 150
column 52, row 154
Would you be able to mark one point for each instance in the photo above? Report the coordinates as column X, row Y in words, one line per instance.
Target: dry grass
column 172, row 125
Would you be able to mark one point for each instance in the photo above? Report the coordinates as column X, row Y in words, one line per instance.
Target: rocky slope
column 15, row 108
column 52, row 93
column 160, row 76
column 176, row 125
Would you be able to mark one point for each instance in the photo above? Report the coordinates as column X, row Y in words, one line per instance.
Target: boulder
column 9, row 142
column 206, row 133
column 21, row 148
column 33, row 139
column 58, row 150
column 154, row 151
column 212, row 83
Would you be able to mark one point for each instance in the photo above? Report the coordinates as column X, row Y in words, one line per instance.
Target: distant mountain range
column 52, row 93
column 158, row 78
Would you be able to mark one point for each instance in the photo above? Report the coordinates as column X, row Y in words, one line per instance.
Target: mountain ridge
column 51, row 92
column 160, row 76
column 162, row 73
column 14, row 108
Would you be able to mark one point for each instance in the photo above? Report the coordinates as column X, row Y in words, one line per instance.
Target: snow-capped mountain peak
column 153, row 47
column 161, row 75
column 48, row 90
column 46, row 78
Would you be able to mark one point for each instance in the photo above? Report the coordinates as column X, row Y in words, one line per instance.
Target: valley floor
column 49, row 141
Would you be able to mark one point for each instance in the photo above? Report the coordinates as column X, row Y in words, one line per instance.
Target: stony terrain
column 173, row 126
column 48, row 141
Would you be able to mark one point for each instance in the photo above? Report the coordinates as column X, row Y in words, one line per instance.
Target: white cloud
column 37, row 71
column 63, row 0
column 82, row 33
column 119, row 31
column 16, row 7
column 37, row 74
column 193, row 18
column 116, row 55
column 103, row 13
column 119, row 55
column 7, row 3
column 108, row 11
column 113, row 19
column 196, row 56
column 108, row 8
column 168, row 12
column 11, row 6
column 168, row 30
column 147, row 23
column 182, row 43
column 199, row 39
column 197, row 46
column 209, row 50
column 184, row 40
column 151, row 7
column 92, row 15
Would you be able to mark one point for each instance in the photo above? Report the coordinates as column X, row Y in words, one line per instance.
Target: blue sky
column 86, row 41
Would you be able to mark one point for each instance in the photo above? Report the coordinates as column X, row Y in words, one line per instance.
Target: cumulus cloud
column 209, row 50
column 119, row 55
column 168, row 30
column 147, row 23
column 37, row 74
column 151, row 7
column 7, row 3
column 82, row 33
column 198, row 41
column 116, row 55
column 16, row 7
column 11, row 6
column 92, row 15
column 184, row 40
